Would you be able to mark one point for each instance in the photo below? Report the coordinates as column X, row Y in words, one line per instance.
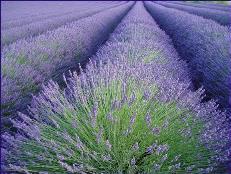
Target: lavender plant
column 120, row 116
column 28, row 63
column 221, row 17
column 117, row 122
column 33, row 29
column 203, row 44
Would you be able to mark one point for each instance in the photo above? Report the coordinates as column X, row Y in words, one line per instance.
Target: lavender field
column 115, row 87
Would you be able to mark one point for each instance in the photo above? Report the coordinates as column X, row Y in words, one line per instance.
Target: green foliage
column 153, row 55
column 60, row 139
column 215, row 2
column 21, row 59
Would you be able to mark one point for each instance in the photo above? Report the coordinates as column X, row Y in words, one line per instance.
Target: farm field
column 96, row 87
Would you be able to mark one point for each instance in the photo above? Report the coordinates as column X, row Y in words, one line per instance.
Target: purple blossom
column 132, row 119
column 110, row 117
column 132, row 99
column 146, row 95
column 108, row 145
column 161, row 149
column 99, row 135
column 106, row 157
column 135, row 147
column 133, row 161
column 156, row 130
column 79, row 143
column 151, row 148
column 156, row 167
column 164, row 158
column 148, row 119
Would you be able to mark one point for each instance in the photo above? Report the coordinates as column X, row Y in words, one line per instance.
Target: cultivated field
column 115, row 87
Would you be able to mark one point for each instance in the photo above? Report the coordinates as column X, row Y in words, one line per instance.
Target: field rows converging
column 54, row 12
column 222, row 17
column 29, row 63
column 34, row 9
column 115, row 87
column 202, row 5
column 36, row 28
column 204, row 44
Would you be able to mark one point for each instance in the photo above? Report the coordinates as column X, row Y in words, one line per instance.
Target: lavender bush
column 33, row 29
column 221, row 17
column 28, row 63
column 119, row 126
column 121, row 116
column 203, row 44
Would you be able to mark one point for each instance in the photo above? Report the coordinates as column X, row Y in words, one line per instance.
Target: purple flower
column 135, row 147
column 132, row 119
column 148, row 119
column 133, row 161
column 156, row 131
column 108, row 145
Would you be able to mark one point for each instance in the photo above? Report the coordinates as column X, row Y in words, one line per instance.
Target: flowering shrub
column 28, row 63
column 203, row 44
column 120, row 116
column 221, row 17
column 122, row 124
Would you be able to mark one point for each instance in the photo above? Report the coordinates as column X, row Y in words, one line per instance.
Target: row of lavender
column 26, row 64
column 222, row 17
column 204, row 44
column 12, row 11
column 36, row 28
column 204, row 5
column 131, row 112
column 38, row 11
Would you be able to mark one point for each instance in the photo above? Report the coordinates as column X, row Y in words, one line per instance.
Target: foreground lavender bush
column 121, row 116
column 118, row 126
column 26, row 64
column 33, row 29
column 203, row 44
column 221, row 17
